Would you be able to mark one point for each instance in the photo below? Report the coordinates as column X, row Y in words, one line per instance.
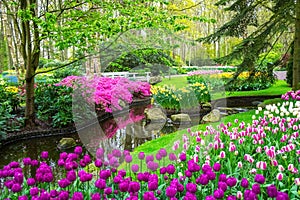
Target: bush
column 157, row 60
column 10, row 101
column 54, row 104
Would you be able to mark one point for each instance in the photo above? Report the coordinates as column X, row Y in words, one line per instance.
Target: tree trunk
column 296, row 61
column 29, row 110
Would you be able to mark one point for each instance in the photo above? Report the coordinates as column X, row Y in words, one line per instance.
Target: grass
column 280, row 87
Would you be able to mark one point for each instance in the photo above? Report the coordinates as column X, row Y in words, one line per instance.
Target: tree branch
column 80, row 58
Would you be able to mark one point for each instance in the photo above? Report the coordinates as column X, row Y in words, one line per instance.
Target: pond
column 125, row 130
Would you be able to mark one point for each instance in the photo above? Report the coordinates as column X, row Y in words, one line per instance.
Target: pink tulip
column 279, row 176
column 297, row 181
column 240, row 165
column 274, row 162
column 222, row 154
column 239, row 195
column 281, row 168
column 261, row 165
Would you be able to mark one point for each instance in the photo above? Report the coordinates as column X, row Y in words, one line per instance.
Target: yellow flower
column 11, row 89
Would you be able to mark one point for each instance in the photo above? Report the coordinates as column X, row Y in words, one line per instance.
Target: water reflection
column 123, row 132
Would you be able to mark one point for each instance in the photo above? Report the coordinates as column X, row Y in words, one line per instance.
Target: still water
column 125, row 131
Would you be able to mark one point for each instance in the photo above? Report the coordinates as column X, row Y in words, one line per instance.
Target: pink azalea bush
column 236, row 160
column 106, row 92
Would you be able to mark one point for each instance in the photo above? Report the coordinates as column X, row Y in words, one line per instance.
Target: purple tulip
column 141, row 155
column 223, row 177
column 256, row 188
column 149, row 158
column 96, row 196
column 117, row 153
column 100, row 153
column 203, row 179
column 26, row 161
column 182, row 157
column 23, row 198
column 134, row 187
column 19, row 178
column 231, row 181
column 14, row 164
column 218, row 194
column 123, row 186
column 259, row 178
column 152, row 185
column 222, row 186
column 44, row 155
column 217, row 167
column 100, row 183
column 244, row 183
column 211, row 175
column 44, row 196
column 63, row 183
column 191, row 187
column 135, row 168
column 30, row 181
column 77, row 196
column 163, row 152
column 172, row 157
column 171, row 191
column 16, row 188
column 78, row 150
column 149, row 196
column 128, row 158
column 98, row 163
column 272, row 191
column 63, row 195
column 170, row 169
column 54, row 193
column 108, row 190
column 71, row 175
column 34, row 191
column 63, row 155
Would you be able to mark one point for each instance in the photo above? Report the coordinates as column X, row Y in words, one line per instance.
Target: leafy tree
column 79, row 24
column 141, row 58
column 259, row 34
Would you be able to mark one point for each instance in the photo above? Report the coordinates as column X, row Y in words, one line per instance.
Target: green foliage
column 54, row 104
column 271, row 57
column 156, row 59
column 10, row 101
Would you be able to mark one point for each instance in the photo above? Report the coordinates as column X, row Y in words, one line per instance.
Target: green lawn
column 280, row 87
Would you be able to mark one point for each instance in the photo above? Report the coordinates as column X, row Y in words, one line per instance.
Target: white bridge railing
column 129, row 75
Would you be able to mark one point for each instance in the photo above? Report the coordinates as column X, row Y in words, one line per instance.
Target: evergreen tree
column 259, row 35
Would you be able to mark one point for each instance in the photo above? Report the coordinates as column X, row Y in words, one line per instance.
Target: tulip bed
column 258, row 160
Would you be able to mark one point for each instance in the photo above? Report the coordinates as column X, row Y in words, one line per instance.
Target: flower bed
column 185, row 98
column 259, row 160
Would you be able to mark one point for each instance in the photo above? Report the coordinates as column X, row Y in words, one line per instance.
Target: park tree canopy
column 78, row 24
column 260, row 23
